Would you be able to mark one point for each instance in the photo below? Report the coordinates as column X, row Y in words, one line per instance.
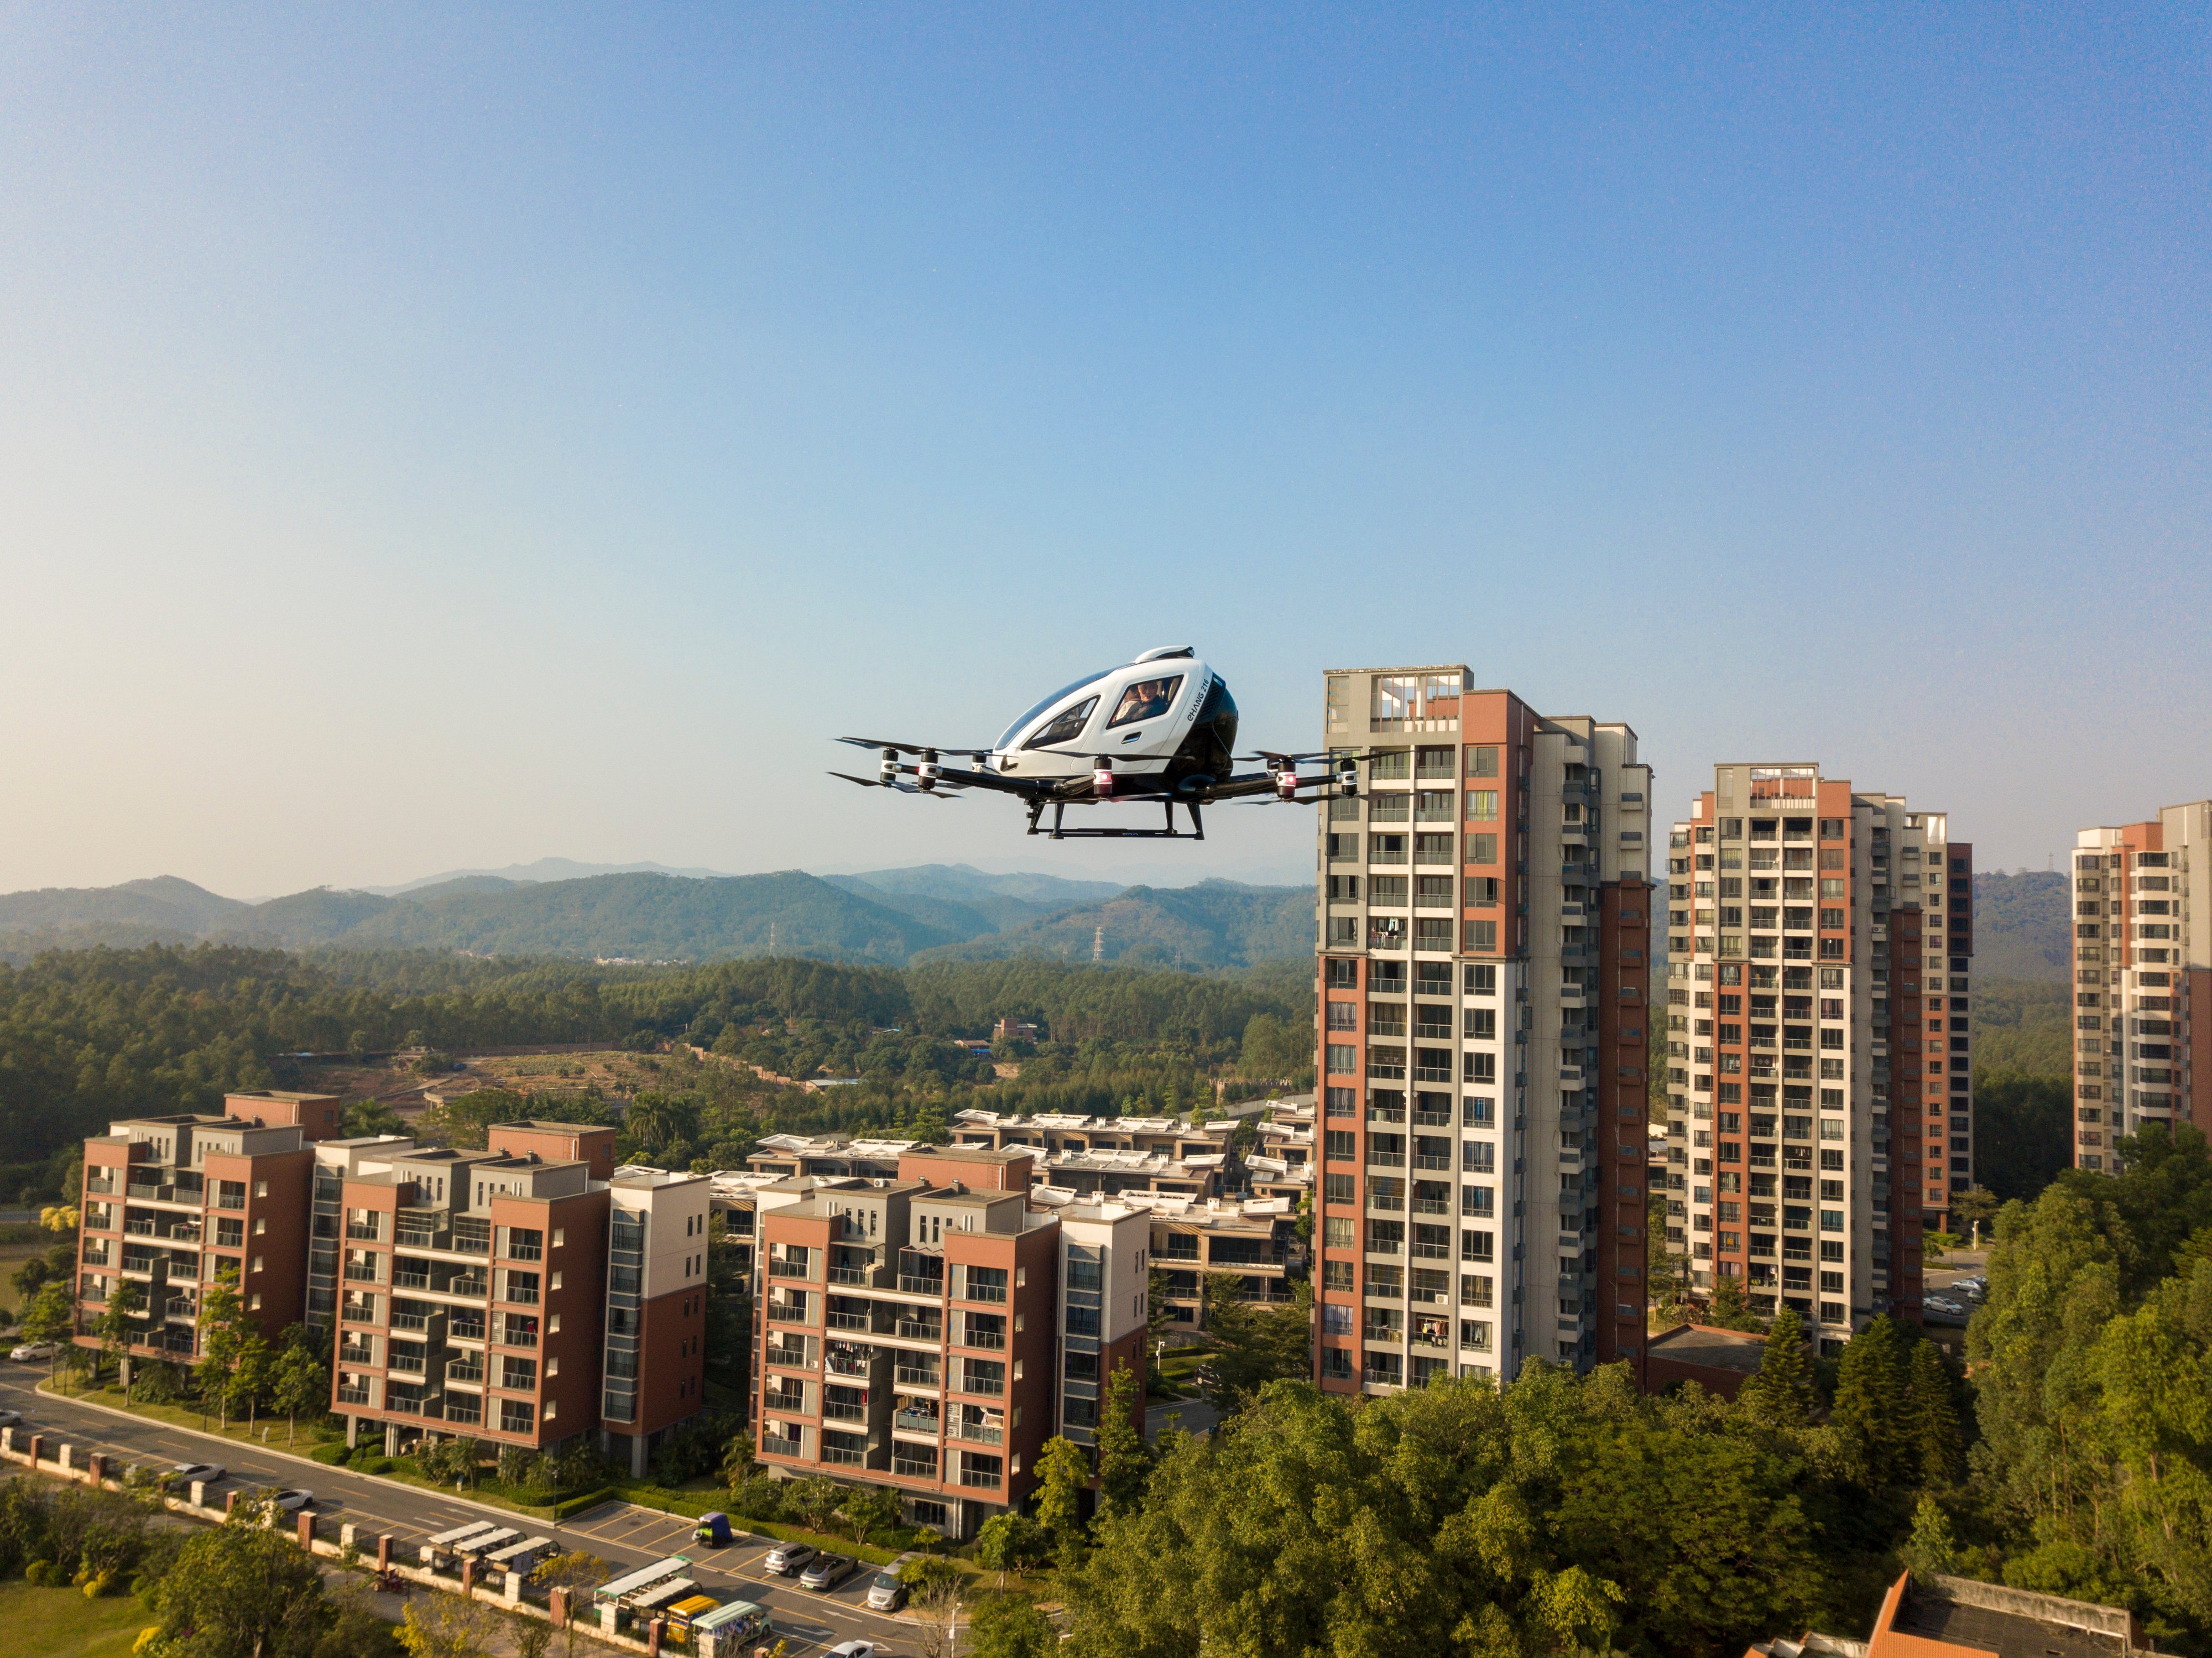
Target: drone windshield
column 1023, row 724
column 1066, row 728
column 1144, row 700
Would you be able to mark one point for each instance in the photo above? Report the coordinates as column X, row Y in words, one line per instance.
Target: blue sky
column 430, row 440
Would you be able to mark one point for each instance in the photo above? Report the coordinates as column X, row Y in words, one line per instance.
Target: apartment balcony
column 978, row 1433
column 788, row 1357
column 983, row 1387
column 1383, row 1202
column 979, row 1480
column 464, row 1376
column 910, row 1285
column 778, row 1445
column 910, row 1376
column 918, row 1422
column 913, row 1468
column 791, row 1269
column 907, row 1329
column 985, row 1340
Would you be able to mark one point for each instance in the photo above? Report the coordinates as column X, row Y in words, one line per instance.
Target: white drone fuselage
column 1155, row 723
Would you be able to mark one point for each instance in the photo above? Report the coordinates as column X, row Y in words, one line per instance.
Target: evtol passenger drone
column 1161, row 730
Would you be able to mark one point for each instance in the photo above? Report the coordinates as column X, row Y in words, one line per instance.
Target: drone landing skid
column 1057, row 832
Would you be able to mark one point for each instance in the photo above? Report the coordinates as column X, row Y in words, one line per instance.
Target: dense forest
column 88, row 1035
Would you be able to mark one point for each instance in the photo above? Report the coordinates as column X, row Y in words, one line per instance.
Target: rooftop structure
column 1928, row 1616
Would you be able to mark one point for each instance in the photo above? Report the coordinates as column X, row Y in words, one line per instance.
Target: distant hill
column 963, row 883
column 1214, row 924
column 2023, row 926
column 166, row 905
column 545, row 869
column 883, row 916
column 658, row 918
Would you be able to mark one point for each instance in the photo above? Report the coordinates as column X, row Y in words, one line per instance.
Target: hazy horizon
column 431, row 435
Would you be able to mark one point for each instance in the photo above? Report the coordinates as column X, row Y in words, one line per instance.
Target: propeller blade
column 879, row 743
column 865, row 782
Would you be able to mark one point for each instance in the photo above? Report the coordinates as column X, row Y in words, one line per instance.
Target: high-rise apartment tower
column 2142, row 979
column 1820, row 1056
column 1483, row 964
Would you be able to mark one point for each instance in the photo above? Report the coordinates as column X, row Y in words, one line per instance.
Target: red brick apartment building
column 172, row 1203
column 525, row 1294
column 2142, row 979
column 1484, row 952
column 1820, row 1042
column 930, row 1331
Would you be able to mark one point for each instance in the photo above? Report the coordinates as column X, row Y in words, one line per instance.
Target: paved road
column 620, row 1533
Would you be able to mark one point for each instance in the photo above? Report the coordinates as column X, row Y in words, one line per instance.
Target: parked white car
column 31, row 1350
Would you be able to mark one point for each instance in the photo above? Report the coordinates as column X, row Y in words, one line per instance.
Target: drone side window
column 1144, row 700
column 1066, row 728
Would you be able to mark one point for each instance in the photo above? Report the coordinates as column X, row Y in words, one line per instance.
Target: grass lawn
column 1177, row 1366
column 188, row 1415
column 60, row 1623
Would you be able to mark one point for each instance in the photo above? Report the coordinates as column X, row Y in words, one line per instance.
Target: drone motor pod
column 1347, row 777
column 1286, row 782
column 1102, row 777
column 926, row 771
column 889, row 773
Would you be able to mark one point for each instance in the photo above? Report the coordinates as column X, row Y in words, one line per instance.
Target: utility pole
column 1098, row 943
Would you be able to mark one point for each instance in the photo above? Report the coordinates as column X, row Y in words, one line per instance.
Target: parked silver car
column 787, row 1559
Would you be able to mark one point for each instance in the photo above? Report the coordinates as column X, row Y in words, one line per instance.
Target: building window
column 1482, row 805
column 1482, row 761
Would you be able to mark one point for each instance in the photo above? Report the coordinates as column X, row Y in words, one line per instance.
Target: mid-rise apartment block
column 1820, row 1041
column 174, row 1203
column 1483, row 957
column 930, row 1331
column 526, row 1294
column 2142, row 979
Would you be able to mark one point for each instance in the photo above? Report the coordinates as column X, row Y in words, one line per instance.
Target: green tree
column 117, row 1327
column 1009, row 1626
column 1009, row 1542
column 1783, row 1392
column 869, row 1510
column 1063, row 1472
column 251, row 1366
column 1252, row 1345
column 365, row 1119
column 816, row 1501
column 1931, row 1548
column 1932, row 1415
column 448, row 1626
column 1869, row 1413
column 299, row 1382
column 1124, row 1458
column 933, row 1594
column 529, row 1637
column 1554, row 1514
column 221, row 1318
column 1729, row 1310
column 50, row 1317
column 239, row 1590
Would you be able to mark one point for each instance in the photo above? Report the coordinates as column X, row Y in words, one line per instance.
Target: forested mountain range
column 889, row 916
column 2023, row 926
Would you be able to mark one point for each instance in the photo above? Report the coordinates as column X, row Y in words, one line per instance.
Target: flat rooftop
column 1716, row 1349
